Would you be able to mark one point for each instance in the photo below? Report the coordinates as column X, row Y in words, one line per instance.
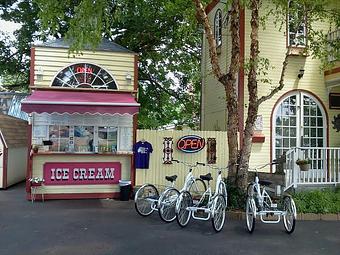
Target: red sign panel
column 191, row 143
column 75, row 173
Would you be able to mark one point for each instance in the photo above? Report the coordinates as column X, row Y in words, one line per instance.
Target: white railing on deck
column 324, row 169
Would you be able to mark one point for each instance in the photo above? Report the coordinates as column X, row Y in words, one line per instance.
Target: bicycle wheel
column 250, row 214
column 250, row 190
column 167, row 205
column 289, row 216
column 146, row 199
column 218, row 212
column 223, row 191
column 197, row 188
column 182, row 214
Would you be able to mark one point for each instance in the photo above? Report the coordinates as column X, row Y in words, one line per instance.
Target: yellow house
column 301, row 120
column 83, row 120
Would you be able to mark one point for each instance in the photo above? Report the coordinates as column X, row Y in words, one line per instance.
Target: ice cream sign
column 191, row 143
column 64, row 173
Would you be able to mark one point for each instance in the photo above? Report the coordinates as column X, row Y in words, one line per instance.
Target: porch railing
column 324, row 167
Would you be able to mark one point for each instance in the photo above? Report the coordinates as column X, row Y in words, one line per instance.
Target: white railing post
column 294, row 168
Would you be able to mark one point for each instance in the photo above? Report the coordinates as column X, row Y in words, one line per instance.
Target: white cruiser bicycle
column 207, row 206
column 148, row 200
column 259, row 203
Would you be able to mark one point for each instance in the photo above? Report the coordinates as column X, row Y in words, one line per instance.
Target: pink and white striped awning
column 43, row 101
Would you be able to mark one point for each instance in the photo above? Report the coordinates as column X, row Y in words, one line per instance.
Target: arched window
column 218, row 27
column 299, row 120
column 84, row 75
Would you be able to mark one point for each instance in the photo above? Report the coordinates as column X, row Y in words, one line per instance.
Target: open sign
column 191, row 143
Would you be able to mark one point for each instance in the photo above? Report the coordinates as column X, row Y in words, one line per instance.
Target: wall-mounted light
column 301, row 73
column 128, row 76
column 39, row 73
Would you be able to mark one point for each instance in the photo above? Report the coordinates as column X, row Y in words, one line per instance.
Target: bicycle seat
column 171, row 178
column 206, row 177
column 265, row 183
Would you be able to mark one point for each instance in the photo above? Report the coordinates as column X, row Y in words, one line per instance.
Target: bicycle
column 212, row 205
column 260, row 203
column 148, row 200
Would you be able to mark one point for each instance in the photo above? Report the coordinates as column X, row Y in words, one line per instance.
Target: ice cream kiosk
column 83, row 115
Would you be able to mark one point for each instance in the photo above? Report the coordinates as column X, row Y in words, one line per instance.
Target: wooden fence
column 158, row 170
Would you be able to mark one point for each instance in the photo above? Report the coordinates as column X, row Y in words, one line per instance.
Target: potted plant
column 304, row 164
column 35, row 149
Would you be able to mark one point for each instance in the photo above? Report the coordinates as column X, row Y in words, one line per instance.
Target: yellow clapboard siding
column 49, row 50
column 52, row 68
column 108, row 61
column 213, row 111
column 272, row 46
column 53, row 60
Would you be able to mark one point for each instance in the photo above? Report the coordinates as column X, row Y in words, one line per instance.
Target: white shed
column 13, row 150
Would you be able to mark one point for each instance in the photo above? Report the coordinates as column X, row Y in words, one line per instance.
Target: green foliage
column 303, row 161
column 318, row 201
column 236, row 196
column 316, row 13
column 14, row 53
column 163, row 33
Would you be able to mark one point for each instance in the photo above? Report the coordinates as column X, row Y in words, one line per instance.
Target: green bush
column 318, row 201
column 236, row 197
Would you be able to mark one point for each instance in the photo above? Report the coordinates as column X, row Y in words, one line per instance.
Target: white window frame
column 299, row 116
column 297, row 34
column 123, row 123
column 218, row 27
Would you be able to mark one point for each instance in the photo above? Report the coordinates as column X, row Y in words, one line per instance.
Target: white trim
column 84, row 62
column 80, row 103
column 299, row 116
column 3, row 139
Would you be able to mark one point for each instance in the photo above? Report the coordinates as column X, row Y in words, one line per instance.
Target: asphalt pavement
column 91, row 227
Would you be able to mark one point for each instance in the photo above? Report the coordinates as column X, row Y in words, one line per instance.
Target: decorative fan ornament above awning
column 84, row 75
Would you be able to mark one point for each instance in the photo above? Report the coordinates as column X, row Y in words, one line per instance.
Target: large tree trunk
column 230, row 86
column 229, row 79
column 242, row 177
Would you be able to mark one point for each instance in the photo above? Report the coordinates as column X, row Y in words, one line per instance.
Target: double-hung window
column 296, row 26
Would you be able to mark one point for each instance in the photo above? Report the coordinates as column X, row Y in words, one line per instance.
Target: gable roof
column 14, row 131
column 105, row 45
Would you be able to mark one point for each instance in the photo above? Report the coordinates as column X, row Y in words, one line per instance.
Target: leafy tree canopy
column 14, row 53
column 164, row 34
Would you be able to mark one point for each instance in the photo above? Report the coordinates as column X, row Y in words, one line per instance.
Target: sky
column 8, row 27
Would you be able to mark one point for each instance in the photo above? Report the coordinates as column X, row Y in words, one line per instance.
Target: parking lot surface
column 84, row 227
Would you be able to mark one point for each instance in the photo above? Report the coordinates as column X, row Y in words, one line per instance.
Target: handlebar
column 186, row 163
column 274, row 162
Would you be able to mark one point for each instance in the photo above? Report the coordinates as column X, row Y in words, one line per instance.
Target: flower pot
column 304, row 167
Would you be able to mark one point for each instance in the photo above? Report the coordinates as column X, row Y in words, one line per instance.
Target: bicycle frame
column 208, row 194
column 265, row 201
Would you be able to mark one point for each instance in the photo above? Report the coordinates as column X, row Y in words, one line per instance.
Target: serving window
column 82, row 134
column 107, row 139
column 59, row 136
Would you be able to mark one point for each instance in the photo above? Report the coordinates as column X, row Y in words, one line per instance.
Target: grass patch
column 318, row 201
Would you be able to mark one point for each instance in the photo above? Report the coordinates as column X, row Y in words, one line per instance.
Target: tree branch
column 281, row 82
column 203, row 18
